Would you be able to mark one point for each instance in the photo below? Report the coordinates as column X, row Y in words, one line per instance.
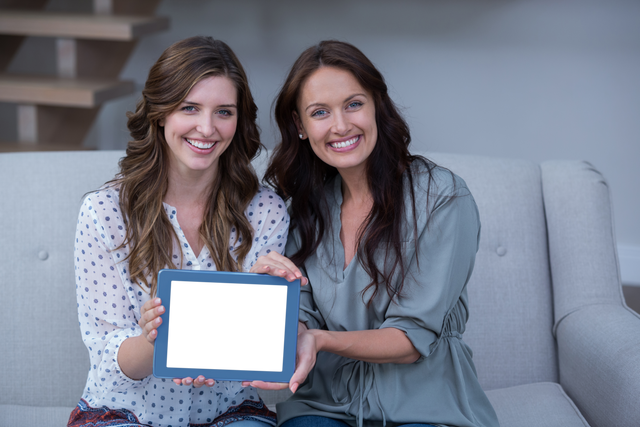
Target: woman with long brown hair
column 387, row 241
column 186, row 197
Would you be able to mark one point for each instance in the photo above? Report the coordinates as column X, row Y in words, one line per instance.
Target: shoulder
column 267, row 204
column 267, row 198
column 103, row 206
column 436, row 180
column 99, row 200
column 101, row 212
column 437, row 189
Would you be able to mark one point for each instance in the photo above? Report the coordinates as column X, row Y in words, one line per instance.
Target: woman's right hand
column 278, row 265
column 150, row 318
column 149, row 321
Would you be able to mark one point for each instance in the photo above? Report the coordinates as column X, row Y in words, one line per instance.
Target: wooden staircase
column 56, row 112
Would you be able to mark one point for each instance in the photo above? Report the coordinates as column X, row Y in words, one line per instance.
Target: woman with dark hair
column 387, row 241
column 186, row 197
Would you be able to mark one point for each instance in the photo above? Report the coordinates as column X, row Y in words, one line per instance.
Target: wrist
column 319, row 338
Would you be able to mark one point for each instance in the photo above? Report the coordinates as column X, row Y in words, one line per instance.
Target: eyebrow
column 219, row 106
column 319, row 104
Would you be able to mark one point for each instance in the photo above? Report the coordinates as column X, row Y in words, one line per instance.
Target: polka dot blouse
column 109, row 306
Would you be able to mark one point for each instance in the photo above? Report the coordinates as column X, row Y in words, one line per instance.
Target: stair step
column 17, row 147
column 81, row 26
column 61, row 92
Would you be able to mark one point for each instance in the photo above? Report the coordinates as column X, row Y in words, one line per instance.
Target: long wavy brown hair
column 298, row 174
column 143, row 177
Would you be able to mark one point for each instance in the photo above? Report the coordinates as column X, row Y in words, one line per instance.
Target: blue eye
column 355, row 104
column 319, row 113
column 225, row 112
column 188, row 108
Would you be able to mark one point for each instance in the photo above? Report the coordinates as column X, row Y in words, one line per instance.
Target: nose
column 206, row 125
column 340, row 123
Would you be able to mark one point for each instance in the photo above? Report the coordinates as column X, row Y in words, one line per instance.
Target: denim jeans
column 249, row 423
column 318, row 421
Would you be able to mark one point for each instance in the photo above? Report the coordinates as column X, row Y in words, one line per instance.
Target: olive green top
column 441, row 387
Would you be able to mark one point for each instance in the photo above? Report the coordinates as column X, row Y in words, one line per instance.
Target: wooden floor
column 632, row 296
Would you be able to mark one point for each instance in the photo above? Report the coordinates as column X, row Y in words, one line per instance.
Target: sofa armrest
column 598, row 336
column 599, row 363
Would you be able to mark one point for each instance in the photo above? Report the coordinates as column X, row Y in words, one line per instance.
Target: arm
column 106, row 304
column 388, row 345
column 434, row 299
column 120, row 348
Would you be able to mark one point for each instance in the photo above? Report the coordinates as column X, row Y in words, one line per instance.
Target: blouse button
column 43, row 255
column 501, row 251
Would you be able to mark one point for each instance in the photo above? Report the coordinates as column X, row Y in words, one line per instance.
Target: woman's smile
column 202, row 146
column 346, row 144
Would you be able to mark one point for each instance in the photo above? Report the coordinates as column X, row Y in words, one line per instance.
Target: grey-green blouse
column 441, row 387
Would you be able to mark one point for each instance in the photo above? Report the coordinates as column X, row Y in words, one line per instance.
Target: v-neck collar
column 191, row 261
column 336, row 222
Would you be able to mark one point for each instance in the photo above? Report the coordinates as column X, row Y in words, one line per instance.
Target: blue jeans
column 249, row 423
column 318, row 421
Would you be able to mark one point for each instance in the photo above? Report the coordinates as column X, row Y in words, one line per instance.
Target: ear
column 161, row 123
column 299, row 126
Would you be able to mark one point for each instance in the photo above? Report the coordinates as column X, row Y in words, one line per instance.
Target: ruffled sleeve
column 434, row 302
column 107, row 312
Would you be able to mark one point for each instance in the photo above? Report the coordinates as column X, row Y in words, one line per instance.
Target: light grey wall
column 534, row 79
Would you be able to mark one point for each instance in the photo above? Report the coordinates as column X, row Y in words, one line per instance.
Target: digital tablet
column 226, row 326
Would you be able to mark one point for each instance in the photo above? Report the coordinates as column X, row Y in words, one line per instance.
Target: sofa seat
column 534, row 405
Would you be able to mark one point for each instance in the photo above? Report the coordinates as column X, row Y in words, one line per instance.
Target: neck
column 188, row 188
column 355, row 186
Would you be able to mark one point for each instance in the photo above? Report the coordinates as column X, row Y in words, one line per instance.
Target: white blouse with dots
column 109, row 306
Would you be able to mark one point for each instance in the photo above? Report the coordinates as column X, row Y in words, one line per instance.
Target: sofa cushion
column 534, row 405
column 41, row 416
column 510, row 294
column 44, row 360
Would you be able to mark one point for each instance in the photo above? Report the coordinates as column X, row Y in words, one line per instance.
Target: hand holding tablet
column 226, row 326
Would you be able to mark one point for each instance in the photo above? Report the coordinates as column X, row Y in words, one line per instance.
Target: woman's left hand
column 305, row 357
column 306, row 352
column 197, row 383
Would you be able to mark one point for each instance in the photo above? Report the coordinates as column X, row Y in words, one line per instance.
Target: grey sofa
column 554, row 343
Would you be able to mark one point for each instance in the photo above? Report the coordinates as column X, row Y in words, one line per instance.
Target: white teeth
column 200, row 145
column 345, row 143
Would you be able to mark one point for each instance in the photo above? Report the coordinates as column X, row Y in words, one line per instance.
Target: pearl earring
column 300, row 135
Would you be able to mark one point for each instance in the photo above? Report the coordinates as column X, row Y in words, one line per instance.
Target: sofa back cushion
column 510, row 294
column 46, row 362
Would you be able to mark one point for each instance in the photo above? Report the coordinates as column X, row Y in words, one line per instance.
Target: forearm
column 135, row 357
column 388, row 345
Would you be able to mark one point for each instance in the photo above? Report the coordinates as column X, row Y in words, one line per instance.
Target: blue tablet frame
column 165, row 279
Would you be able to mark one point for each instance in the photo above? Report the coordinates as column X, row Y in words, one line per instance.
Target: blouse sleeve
column 105, row 308
column 436, row 278
column 269, row 218
column 309, row 314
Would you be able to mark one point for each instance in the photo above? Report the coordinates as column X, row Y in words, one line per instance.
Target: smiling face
column 202, row 127
column 338, row 116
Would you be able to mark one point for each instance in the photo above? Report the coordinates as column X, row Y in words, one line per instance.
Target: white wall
column 535, row 79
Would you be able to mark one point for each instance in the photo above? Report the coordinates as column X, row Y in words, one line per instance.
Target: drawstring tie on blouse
column 360, row 373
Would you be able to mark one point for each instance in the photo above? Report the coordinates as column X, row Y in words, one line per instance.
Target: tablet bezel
column 165, row 279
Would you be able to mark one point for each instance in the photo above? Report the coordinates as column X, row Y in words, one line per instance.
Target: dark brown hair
column 298, row 174
column 143, row 177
